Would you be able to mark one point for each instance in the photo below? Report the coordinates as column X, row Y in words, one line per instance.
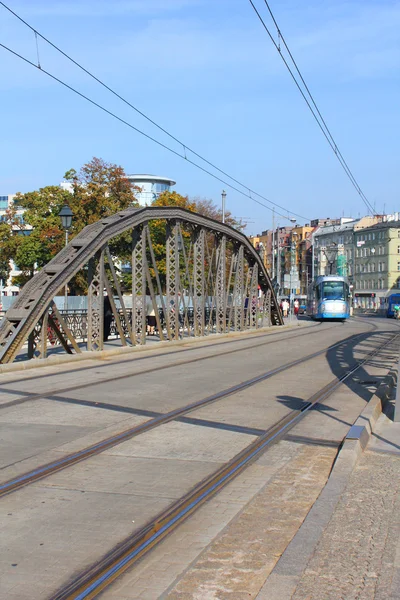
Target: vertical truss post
column 199, row 281
column 221, row 286
column 253, row 298
column 158, row 282
column 238, row 290
column 96, row 302
column 172, row 248
column 117, row 287
column 266, row 318
column 37, row 340
column 139, row 286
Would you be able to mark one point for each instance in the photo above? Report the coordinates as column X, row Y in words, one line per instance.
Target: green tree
column 6, row 250
column 99, row 190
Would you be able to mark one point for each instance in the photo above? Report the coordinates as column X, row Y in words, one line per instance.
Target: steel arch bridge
column 214, row 282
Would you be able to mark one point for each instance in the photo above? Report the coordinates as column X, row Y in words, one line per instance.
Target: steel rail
column 53, row 467
column 91, row 582
column 130, row 357
column 44, row 395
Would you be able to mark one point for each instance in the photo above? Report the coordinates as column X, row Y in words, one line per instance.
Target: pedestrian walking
column 285, row 307
column 151, row 322
column 107, row 318
column 296, row 306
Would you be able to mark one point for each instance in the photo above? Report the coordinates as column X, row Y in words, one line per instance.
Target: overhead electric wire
column 184, row 146
column 326, row 133
column 316, row 107
column 109, row 112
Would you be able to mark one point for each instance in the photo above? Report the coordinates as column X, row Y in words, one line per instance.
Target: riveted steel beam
column 24, row 318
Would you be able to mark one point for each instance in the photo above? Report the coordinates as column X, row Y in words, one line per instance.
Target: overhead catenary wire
column 149, row 137
column 318, row 118
column 184, row 146
column 281, row 37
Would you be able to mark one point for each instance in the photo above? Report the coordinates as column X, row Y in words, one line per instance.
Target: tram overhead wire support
column 213, row 263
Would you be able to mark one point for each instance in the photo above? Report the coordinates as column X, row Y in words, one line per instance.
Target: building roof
column 329, row 229
column 151, row 179
column 385, row 225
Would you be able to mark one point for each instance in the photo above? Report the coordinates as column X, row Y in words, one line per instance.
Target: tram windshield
column 333, row 290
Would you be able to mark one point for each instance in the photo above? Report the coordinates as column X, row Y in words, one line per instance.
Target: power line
column 326, row 133
column 317, row 109
column 109, row 112
column 184, row 146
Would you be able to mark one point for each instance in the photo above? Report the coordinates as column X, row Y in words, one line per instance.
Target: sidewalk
column 354, row 551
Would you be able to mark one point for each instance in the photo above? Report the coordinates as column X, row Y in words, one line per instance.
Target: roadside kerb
column 287, row 573
column 105, row 354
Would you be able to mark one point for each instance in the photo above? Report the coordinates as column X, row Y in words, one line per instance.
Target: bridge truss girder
column 215, row 282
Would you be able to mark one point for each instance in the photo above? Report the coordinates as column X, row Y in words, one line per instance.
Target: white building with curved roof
column 151, row 187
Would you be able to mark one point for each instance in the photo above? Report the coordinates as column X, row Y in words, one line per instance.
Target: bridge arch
column 215, row 283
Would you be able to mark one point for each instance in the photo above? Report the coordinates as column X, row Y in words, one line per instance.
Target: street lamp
column 223, row 196
column 66, row 215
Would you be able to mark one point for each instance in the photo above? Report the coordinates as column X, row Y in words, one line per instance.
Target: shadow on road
column 341, row 359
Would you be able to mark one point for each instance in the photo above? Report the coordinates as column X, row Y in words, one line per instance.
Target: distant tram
column 329, row 298
column 389, row 304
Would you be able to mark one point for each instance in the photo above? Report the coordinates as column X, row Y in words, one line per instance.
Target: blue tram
column 389, row 304
column 329, row 298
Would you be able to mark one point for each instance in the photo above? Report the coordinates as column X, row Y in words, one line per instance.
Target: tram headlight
column 322, row 307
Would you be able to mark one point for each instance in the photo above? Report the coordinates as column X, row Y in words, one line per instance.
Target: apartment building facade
column 377, row 264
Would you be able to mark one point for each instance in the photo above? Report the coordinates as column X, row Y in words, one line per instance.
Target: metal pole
column 223, row 195
column 273, row 243
column 312, row 256
column 66, row 285
column 396, row 417
column 278, row 263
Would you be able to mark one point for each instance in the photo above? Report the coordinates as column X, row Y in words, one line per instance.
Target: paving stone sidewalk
column 358, row 554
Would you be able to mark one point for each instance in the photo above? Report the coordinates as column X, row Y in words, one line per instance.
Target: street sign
column 291, row 282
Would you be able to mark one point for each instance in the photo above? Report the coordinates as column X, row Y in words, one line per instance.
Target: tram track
column 96, row 578
column 40, row 395
column 69, row 460
column 127, row 358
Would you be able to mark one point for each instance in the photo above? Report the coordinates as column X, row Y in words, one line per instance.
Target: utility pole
column 273, row 243
column 278, row 261
column 312, row 256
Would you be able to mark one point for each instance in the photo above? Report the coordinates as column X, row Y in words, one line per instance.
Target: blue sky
column 207, row 71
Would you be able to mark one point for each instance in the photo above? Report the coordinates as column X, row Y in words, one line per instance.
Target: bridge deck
column 58, row 526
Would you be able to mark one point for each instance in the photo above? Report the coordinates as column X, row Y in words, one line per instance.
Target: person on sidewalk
column 285, row 307
column 296, row 307
column 151, row 322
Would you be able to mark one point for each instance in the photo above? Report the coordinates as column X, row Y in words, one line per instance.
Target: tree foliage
column 99, row 190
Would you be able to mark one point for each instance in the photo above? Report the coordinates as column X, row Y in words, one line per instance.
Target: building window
column 398, row 233
column 398, row 266
column 159, row 188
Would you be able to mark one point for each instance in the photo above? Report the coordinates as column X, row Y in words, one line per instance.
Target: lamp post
column 66, row 215
column 223, row 196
